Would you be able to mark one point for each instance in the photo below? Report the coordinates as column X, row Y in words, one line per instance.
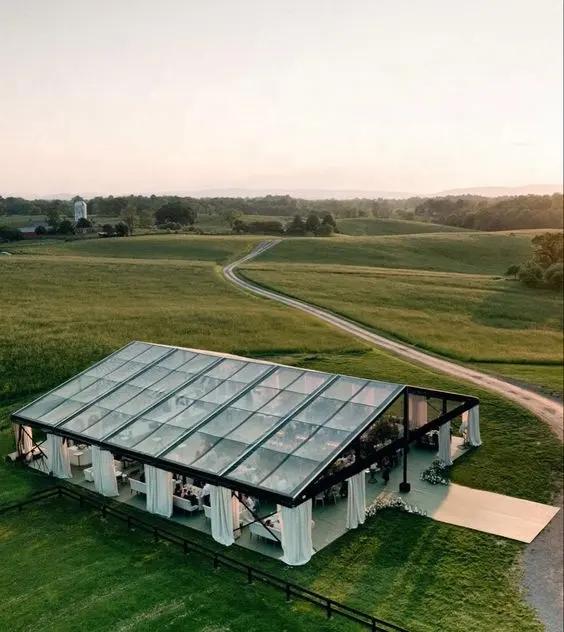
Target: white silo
column 80, row 211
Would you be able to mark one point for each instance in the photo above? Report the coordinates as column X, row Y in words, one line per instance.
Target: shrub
column 10, row 234
column 531, row 274
column 122, row 229
column 40, row 230
column 513, row 271
column 65, row 227
column 553, row 276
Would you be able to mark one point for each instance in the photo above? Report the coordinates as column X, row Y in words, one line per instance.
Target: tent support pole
column 404, row 486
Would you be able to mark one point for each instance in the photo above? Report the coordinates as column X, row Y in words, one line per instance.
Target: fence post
column 103, row 511
column 373, row 625
column 329, row 612
column 250, row 574
column 156, row 534
column 185, row 546
column 215, row 561
column 129, row 522
column 288, row 592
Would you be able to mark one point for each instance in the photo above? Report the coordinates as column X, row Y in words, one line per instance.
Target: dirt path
column 550, row 411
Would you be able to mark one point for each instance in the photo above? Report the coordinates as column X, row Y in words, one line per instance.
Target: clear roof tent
column 246, row 424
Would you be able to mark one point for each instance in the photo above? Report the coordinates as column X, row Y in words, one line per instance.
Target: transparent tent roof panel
column 256, row 422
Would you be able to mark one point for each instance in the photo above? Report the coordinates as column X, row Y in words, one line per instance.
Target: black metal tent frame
column 315, row 482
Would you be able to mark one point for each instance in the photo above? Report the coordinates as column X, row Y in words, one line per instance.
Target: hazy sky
column 118, row 96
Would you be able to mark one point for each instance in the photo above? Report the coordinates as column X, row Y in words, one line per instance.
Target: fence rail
column 251, row 573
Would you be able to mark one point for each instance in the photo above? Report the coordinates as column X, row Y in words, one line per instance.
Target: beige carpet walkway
column 505, row 516
column 509, row 517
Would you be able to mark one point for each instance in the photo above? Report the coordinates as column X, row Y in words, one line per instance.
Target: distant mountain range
column 345, row 194
column 528, row 189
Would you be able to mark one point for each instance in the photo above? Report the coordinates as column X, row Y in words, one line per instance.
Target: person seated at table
column 178, row 489
column 142, row 476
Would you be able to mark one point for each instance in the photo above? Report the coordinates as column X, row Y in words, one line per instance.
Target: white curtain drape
column 474, row 438
column 58, row 457
column 444, row 444
column 356, row 501
column 222, row 513
column 159, row 491
column 295, row 524
column 417, row 410
column 24, row 443
column 104, row 472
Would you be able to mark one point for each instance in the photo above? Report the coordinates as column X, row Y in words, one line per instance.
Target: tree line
column 473, row 212
column 493, row 214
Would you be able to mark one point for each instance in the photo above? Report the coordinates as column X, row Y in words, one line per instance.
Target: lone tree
column 122, row 229
column 313, row 223
column 65, row 227
column 83, row 223
column 177, row 211
column 329, row 220
column 548, row 249
column 296, row 226
column 130, row 217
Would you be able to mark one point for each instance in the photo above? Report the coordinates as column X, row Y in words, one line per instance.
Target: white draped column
column 222, row 515
column 356, row 500
column 417, row 410
column 104, row 472
column 159, row 491
column 24, row 441
column 473, row 418
column 295, row 524
column 58, row 461
column 444, row 453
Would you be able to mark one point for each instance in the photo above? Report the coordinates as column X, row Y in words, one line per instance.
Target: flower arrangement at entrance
column 391, row 501
column 437, row 473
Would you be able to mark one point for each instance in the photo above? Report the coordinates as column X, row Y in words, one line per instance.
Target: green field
column 164, row 246
column 466, row 317
column 473, row 253
column 62, row 310
column 375, row 226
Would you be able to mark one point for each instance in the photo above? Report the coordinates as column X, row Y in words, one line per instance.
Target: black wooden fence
column 251, row 573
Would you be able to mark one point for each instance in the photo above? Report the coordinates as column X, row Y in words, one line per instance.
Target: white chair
column 319, row 498
column 270, row 533
column 137, row 486
column 89, row 475
column 207, row 512
column 184, row 504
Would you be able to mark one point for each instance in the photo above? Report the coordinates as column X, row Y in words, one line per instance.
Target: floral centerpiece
column 436, row 474
column 390, row 501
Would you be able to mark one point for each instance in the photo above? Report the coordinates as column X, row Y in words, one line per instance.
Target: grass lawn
column 74, row 570
column 466, row 317
column 60, row 314
column 473, row 253
column 377, row 226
